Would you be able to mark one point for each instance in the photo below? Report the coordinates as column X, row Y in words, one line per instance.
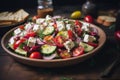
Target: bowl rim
column 54, row 60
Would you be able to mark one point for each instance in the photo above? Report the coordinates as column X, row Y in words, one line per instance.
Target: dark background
column 14, row 4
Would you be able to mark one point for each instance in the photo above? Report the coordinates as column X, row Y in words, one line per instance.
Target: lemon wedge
column 76, row 15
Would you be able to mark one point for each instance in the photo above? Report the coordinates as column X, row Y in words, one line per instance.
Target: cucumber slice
column 10, row 46
column 63, row 34
column 21, row 51
column 48, row 30
column 87, row 47
column 47, row 49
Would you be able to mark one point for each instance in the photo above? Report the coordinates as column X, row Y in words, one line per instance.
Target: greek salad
column 53, row 38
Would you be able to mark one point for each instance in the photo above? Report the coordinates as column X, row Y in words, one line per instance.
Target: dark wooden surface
column 90, row 69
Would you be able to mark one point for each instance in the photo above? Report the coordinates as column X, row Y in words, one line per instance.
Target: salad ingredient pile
column 54, row 38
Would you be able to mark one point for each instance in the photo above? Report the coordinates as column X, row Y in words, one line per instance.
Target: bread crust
column 106, row 20
column 13, row 17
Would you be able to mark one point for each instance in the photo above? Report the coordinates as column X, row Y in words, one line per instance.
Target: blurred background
column 16, row 4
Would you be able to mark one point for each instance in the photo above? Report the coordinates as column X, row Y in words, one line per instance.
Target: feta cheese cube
column 69, row 45
column 17, row 31
column 60, row 25
column 92, row 38
column 48, row 18
column 85, row 27
column 40, row 20
column 27, row 26
column 36, row 28
column 23, row 33
column 31, row 41
column 88, row 38
column 69, row 27
column 11, row 41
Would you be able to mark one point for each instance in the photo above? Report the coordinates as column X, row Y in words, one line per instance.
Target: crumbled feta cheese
column 92, row 38
column 60, row 25
column 40, row 20
column 69, row 27
column 48, row 18
column 31, row 41
column 69, row 45
column 17, row 31
column 88, row 38
column 36, row 28
column 11, row 41
column 45, row 24
column 51, row 24
column 85, row 27
column 27, row 26
column 23, row 33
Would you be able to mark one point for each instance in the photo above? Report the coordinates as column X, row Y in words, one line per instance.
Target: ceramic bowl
column 54, row 62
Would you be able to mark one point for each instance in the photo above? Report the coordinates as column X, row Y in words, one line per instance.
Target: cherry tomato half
column 58, row 41
column 35, row 55
column 93, row 44
column 78, row 23
column 17, row 43
column 21, row 27
column 88, row 19
column 78, row 30
column 71, row 35
column 65, row 54
column 78, row 51
column 34, row 18
column 30, row 34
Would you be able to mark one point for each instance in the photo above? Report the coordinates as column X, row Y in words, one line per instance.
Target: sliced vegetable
column 59, row 41
column 64, row 34
column 21, row 51
column 48, row 49
column 78, row 51
column 48, row 30
column 71, row 35
column 78, row 23
column 21, row 27
column 30, row 34
column 52, row 56
column 17, row 43
column 86, row 47
column 93, row 44
column 65, row 54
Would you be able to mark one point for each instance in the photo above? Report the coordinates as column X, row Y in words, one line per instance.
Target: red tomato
column 30, row 34
column 58, row 41
column 35, row 17
column 78, row 30
column 36, row 55
column 55, row 25
column 78, row 51
column 117, row 35
column 89, row 19
column 17, row 43
column 93, row 44
column 21, row 27
column 65, row 54
column 78, row 23
column 71, row 35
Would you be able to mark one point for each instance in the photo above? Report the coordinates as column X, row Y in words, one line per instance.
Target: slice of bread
column 106, row 20
column 17, row 16
column 20, row 15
